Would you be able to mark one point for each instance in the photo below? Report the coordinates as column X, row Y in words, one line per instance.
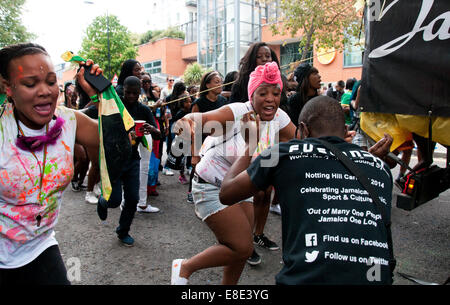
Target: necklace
column 39, row 143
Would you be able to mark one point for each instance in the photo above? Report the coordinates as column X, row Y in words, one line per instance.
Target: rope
column 232, row 82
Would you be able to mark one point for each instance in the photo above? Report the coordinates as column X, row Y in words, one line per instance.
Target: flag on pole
column 114, row 122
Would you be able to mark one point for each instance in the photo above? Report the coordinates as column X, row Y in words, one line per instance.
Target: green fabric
column 345, row 100
column 2, row 98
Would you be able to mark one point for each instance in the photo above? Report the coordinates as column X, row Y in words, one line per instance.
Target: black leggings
column 47, row 269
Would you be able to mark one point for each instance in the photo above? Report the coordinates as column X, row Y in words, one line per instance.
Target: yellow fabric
column 419, row 125
column 401, row 127
column 375, row 125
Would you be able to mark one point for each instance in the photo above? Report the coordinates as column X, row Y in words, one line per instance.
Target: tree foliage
column 327, row 23
column 193, row 74
column 95, row 43
column 151, row 36
column 11, row 28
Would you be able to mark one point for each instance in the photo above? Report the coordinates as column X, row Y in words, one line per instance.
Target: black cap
column 301, row 72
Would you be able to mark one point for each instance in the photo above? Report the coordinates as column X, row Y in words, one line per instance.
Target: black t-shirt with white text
column 332, row 232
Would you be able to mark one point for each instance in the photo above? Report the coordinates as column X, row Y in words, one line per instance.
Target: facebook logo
column 311, row 240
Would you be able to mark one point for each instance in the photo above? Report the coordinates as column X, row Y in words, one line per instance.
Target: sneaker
column 91, row 198
column 97, row 190
column 148, row 209
column 264, row 242
column 175, row 278
column 190, row 199
column 183, row 180
column 254, row 259
column 102, row 211
column 75, row 186
column 275, row 208
column 167, row 172
column 127, row 241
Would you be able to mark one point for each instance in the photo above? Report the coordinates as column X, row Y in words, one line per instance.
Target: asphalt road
column 421, row 241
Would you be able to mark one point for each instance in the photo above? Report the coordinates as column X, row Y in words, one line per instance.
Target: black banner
column 406, row 67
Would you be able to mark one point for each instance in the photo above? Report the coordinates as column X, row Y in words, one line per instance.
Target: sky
column 60, row 24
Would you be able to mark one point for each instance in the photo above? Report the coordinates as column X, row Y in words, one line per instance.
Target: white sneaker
column 175, row 277
column 97, row 190
column 275, row 208
column 91, row 198
column 148, row 209
column 167, row 172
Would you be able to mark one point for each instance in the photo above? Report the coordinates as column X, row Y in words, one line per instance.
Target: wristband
column 94, row 98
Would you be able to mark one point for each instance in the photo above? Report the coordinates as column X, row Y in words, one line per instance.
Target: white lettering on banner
column 428, row 35
column 375, row 12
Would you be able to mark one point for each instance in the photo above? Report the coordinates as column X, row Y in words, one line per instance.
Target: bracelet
column 94, row 98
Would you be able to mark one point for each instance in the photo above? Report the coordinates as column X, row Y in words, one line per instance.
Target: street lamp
column 107, row 33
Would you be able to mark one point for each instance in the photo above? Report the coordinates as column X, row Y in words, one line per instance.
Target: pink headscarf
column 269, row 73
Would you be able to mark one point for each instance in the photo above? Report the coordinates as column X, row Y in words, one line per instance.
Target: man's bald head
column 323, row 116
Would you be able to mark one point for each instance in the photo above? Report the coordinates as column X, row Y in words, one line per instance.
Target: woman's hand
column 250, row 130
column 94, row 69
column 185, row 128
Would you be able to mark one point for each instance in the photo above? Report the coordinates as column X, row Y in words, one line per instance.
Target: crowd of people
column 230, row 184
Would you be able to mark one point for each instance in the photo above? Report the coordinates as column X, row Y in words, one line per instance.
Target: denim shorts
column 206, row 199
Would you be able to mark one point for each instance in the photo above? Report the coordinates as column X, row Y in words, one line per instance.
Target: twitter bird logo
column 311, row 257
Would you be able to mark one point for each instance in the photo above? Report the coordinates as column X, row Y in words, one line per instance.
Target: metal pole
column 109, row 51
column 237, row 40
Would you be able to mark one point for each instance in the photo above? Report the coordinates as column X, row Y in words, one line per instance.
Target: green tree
column 151, row 36
column 193, row 74
column 328, row 23
column 11, row 28
column 95, row 44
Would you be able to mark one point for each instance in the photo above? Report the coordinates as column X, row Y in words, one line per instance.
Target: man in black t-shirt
column 332, row 232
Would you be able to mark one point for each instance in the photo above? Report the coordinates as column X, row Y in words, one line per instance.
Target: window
column 353, row 54
column 290, row 53
column 153, row 67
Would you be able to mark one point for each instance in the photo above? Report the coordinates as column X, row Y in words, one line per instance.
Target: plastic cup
column 137, row 127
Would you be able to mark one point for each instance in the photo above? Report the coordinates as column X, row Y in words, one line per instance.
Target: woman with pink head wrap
column 232, row 225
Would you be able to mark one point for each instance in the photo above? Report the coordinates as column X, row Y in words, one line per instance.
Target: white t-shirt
column 21, row 201
column 219, row 153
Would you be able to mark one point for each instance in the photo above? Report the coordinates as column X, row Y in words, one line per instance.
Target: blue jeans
column 129, row 178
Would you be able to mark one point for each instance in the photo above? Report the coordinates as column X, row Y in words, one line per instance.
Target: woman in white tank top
column 37, row 138
column 232, row 225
